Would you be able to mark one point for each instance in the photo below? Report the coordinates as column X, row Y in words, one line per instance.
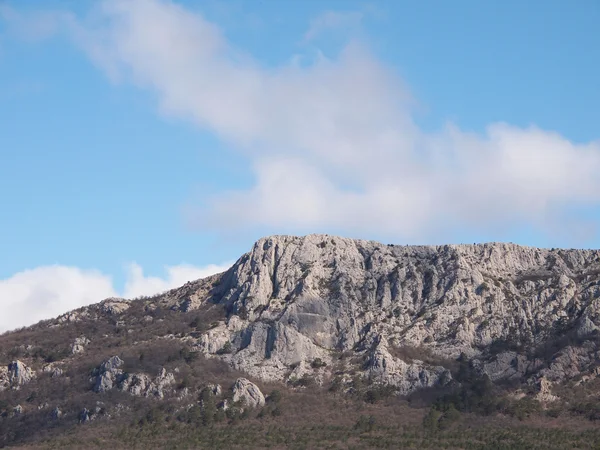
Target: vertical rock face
column 292, row 300
column 248, row 393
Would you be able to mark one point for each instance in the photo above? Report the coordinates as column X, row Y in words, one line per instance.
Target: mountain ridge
column 320, row 310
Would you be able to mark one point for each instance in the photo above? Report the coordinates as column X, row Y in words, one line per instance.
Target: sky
column 146, row 143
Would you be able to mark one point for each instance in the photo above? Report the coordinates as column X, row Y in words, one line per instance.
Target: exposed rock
column 215, row 389
column 56, row 413
column 135, row 384
column 86, row 416
column 224, row 405
column 292, row 300
column 15, row 375
column 142, row 385
column 4, row 382
column 506, row 365
column 385, row 369
column 545, row 392
column 515, row 313
column 248, row 393
column 79, row 345
column 109, row 374
column 73, row 316
column 53, row 370
column 191, row 295
column 114, row 306
column 183, row 394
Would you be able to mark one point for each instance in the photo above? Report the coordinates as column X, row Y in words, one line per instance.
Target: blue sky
column 167, row 136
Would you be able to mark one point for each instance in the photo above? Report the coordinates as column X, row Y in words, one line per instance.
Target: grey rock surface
column 292, row 300
column 110, row 375
column 79, row 345
column 248, row 393
column 15, row 375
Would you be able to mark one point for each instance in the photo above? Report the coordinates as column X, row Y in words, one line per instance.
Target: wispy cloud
column 333, row 144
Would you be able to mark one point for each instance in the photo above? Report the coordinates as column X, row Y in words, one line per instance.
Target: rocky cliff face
column 324, row 309
column 294, row 300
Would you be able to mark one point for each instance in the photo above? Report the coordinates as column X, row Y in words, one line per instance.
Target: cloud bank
column 44, row 292
column 332, row 141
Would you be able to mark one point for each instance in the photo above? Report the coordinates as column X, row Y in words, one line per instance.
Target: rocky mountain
column 324, row 312
column 293, row 300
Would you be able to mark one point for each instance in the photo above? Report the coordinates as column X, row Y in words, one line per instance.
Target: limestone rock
column 248, row 393
column 109, row 374
column 142, row 385
column 291, row 300
column 15, row 375
column 545, row 392
column 407, row 377
column 4, row 382
column 73, row 316
column 53, row 369
column 79, row 344
column 114, row 306
column 215, row 389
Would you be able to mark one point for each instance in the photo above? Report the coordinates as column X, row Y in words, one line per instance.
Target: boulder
column 53, row 370
column 109, row 374
column 114, row 306
column 248, row 393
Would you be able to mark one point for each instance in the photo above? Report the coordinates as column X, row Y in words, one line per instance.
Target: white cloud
column 138, row 284
column 332, row 143
column 33, row 295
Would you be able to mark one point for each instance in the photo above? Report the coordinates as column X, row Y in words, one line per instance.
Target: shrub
column 431, row 419
column 274, row 397
column 227, row 348
column 317, row 363
column 365, row 424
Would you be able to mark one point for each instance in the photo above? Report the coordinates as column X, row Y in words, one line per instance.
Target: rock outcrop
column 110, row 375
column 142, row 385
column 114, row 306
column 15, row 375
column 247, row 393
column 79, row 345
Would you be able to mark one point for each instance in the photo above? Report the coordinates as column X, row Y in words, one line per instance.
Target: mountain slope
column 481, row 328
